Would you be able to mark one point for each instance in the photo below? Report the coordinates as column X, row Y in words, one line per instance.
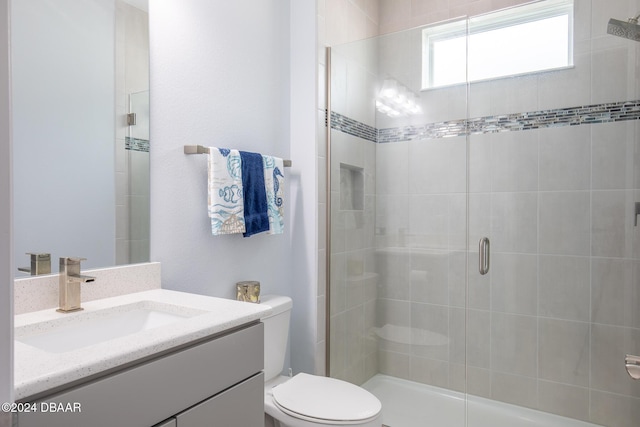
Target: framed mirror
column 80, row 95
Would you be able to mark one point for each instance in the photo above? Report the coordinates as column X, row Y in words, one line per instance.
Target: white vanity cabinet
column 231, row 408
column 215, row 382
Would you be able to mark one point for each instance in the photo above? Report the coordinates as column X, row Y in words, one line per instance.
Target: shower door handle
column 484, row 250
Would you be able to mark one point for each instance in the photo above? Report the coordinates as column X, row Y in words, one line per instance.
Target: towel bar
column 199, row 149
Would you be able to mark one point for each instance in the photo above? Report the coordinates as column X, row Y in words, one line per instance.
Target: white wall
column 306, row 356
column 219, row 70
column 229, row 74
column 234, row 91
column 6, row 211
column 63, row 128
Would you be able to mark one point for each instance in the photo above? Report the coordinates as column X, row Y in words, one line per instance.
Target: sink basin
column 93, row 327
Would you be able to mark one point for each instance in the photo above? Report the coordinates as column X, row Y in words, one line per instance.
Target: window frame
column 467, row 27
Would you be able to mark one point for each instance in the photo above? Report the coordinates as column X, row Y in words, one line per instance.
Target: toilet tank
column 276, row 334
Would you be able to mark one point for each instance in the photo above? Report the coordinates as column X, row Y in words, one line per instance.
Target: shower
column 541, row 163
column 628, row 29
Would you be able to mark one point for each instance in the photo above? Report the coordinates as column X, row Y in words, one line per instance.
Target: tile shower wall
column 354, row 282
column 342, row 21
column 398, row 15
column 556, row 314
column 339, row 22
column 549, row 326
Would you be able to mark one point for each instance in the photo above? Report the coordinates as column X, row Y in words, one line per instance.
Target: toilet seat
column 325, row 400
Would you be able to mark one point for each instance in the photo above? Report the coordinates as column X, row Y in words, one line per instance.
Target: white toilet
column 308, row 400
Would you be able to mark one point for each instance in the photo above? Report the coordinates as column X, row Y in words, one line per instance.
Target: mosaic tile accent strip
column 353, row 127
column 573, row 116
column 136, row 144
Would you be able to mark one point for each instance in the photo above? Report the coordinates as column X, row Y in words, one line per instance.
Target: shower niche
column 351, row 188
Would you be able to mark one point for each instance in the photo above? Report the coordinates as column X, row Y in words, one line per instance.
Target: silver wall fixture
column 199, row 149
column 628, row 29
column 632, row 363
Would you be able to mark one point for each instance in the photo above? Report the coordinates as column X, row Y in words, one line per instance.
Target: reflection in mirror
column 80, row 74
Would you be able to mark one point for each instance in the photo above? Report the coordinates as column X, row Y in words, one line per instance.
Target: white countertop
column 37, row 370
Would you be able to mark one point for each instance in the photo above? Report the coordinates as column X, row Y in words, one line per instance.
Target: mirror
column 80, row 94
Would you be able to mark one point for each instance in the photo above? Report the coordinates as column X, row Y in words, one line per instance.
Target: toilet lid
column 326, row 399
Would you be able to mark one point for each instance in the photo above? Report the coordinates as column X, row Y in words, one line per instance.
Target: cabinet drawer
column 240, row 406
column 147, row 394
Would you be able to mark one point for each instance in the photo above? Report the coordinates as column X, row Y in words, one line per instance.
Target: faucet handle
column 71, row 260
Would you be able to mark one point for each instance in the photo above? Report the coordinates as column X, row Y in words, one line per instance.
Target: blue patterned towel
column 225, row 201
column 274, row 183
column 256, row 219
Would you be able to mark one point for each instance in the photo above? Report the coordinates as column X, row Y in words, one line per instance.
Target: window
column 519, row 40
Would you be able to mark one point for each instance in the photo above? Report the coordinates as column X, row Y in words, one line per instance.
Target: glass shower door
column 553, row 185
column 545, row 166
column 398, row 232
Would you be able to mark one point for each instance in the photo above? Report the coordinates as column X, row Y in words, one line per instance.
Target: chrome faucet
column 40, row 264
column 70, row 281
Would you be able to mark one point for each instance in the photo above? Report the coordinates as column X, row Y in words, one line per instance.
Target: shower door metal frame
column 327, row 121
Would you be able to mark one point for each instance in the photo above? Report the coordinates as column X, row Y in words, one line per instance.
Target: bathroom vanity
column 202, row 367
